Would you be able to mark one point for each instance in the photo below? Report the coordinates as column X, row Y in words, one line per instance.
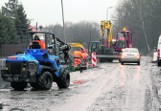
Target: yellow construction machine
column 108, row 49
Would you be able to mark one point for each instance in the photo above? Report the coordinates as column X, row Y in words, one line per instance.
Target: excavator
column 108, row 48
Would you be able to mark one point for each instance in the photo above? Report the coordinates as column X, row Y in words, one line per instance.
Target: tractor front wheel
column 64, row 80
column 44, row 81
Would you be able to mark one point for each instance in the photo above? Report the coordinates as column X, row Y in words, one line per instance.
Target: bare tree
column 142, row 18
column 81, row 32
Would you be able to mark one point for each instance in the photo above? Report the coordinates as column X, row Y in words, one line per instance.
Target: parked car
column 158, row 51
column 130, row 55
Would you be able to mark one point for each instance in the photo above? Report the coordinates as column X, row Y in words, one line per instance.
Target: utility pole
column 107, row 12
column 90, row 34
column 63, row 21
column 36, row 26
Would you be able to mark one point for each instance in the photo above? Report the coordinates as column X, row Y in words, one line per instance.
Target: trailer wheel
column 18, row 85
column 45, row 81
column 122, row 63
column 138, row 63
column 64, row 80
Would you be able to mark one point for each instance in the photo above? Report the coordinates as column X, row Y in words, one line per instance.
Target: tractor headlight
column 6, row 68
column 23, row 69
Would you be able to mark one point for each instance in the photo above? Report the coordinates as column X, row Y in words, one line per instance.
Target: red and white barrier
column 94, row 60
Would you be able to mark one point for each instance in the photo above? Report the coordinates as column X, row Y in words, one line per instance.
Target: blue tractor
column 36, row 66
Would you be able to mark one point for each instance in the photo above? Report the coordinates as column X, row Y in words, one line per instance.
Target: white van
column 159, row 51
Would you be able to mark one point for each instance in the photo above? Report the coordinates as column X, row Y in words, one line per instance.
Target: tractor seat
column 35, row 45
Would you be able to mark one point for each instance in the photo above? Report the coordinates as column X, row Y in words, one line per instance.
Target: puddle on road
column 79, row 82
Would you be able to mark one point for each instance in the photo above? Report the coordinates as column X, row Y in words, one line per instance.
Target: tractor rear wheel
column 64, row 80
column 18, row 85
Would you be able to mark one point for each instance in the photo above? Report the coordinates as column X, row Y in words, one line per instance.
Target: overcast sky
column 47, row 12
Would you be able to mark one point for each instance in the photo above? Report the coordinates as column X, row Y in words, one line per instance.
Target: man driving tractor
column 39, row 41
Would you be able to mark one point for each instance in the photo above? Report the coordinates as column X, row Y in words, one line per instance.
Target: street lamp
column 107, row 12
column 63, row 20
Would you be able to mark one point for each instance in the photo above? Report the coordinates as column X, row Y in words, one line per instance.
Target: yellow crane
column 106, row 28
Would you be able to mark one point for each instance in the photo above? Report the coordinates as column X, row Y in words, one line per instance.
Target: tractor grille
column 14, row 67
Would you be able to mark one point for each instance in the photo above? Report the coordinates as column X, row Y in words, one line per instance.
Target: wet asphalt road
column 110, row 87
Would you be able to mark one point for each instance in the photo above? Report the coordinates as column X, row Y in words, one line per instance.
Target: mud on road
column 110, row 87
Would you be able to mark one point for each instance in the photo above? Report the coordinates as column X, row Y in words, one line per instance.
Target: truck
column 36, row 66
column 108, row 48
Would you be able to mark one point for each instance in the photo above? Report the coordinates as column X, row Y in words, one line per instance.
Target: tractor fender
column 42, row 68
column 62, row 72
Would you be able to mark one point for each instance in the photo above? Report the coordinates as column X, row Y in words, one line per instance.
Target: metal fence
column 11, row 49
